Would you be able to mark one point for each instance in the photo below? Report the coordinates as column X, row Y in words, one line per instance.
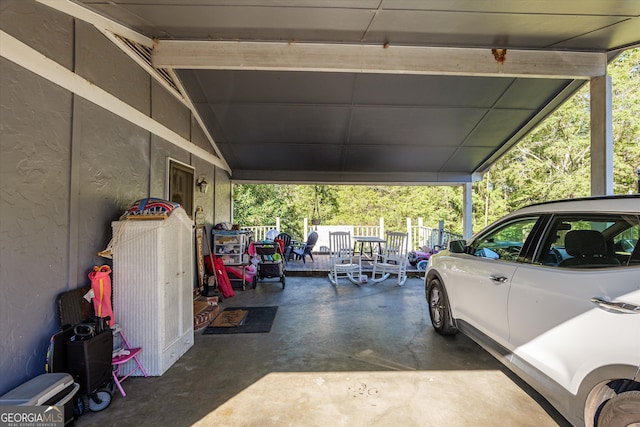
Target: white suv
column 553, row 291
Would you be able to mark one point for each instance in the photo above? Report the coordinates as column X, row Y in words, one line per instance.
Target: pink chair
column 119, row 360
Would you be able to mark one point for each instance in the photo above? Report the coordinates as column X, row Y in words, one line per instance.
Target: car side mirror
column 457, row 246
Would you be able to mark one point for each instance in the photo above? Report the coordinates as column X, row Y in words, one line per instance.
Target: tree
column 552, row 162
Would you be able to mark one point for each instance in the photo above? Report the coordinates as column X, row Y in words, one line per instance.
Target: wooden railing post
column 381, row 235
column 409, row 234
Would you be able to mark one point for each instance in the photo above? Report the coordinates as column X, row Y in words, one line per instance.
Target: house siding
column 68, row 167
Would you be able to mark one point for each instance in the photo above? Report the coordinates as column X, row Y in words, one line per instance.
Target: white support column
column 409, row 234
column 601, row 137
column 467, row 211
column 381, row 228
column 278, row 223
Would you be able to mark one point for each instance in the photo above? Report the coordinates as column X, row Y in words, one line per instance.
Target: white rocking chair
column 342, row 261
column 392, row 260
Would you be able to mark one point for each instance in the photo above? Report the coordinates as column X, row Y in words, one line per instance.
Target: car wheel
column 621, row 411
column 439, row 310
column 422, row 265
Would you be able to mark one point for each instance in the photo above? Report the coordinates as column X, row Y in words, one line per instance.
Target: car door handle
column 621, row 307
column 499, row 279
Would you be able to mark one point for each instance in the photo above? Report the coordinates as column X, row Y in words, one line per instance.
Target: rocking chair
column 392, row 260
column 341, row 258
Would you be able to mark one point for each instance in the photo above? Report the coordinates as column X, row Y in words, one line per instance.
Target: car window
column 591, row 241
column 504, row 242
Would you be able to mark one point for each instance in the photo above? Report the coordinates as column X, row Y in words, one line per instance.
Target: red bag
column 224, row 284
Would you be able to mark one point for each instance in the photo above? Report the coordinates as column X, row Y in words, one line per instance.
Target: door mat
column 256, row 320
column 229, row 319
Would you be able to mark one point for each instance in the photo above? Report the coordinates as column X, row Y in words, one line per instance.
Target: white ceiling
column 375, row 91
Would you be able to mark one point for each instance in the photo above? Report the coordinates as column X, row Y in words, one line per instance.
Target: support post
column 601, row 137
column 467, row 211
column 305, row 228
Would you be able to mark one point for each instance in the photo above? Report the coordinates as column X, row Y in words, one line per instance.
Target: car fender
column 433, row 273
column 596, row 388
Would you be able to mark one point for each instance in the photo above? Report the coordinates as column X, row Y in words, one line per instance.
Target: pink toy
column 101, row 286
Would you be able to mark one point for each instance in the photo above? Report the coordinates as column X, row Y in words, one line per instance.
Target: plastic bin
column 45, row 390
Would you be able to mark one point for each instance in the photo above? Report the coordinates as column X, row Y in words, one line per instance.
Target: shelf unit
column 230, row 247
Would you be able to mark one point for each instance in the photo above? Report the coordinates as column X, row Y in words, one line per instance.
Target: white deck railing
column 419, row 235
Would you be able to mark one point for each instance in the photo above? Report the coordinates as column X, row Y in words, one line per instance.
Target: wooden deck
column 319, row 266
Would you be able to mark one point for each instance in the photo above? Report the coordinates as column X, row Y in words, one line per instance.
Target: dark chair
column 588, row 249
column 286, row 240
column 306, row 248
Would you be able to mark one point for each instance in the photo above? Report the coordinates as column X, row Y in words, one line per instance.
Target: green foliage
column 552, row 162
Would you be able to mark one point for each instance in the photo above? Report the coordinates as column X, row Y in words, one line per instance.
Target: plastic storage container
column 45, row 390
column 230, row 246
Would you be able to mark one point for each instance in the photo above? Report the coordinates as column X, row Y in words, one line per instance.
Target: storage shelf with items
column 231, row 247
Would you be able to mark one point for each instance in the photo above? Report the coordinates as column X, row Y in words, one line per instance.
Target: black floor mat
column 258, row 319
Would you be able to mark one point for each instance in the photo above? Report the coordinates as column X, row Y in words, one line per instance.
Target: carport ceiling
column 375, row 91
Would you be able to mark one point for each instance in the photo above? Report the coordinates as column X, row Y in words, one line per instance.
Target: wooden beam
column 359, row 58
column 99, row 21
column 25, row 56
column 242, row 176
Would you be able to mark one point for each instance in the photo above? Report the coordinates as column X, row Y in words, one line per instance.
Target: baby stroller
column 271, row 263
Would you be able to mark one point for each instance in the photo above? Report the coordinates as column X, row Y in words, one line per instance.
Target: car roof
column 629, row 203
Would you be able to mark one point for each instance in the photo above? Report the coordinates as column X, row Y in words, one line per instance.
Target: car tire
column 439, row 309
column 621, row 410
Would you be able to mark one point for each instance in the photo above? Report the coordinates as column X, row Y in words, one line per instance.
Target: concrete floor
column 336, row 356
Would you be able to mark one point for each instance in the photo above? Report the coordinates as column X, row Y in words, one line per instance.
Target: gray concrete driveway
column 336, row 356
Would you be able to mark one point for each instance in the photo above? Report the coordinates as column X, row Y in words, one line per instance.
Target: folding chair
column 393, row 259
column 341, row 258
column 123, row 355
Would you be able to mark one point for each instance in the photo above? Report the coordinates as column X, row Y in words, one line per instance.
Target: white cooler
column 45, row 390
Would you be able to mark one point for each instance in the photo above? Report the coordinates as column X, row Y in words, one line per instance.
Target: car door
column 557, row 327
column 482, row 277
